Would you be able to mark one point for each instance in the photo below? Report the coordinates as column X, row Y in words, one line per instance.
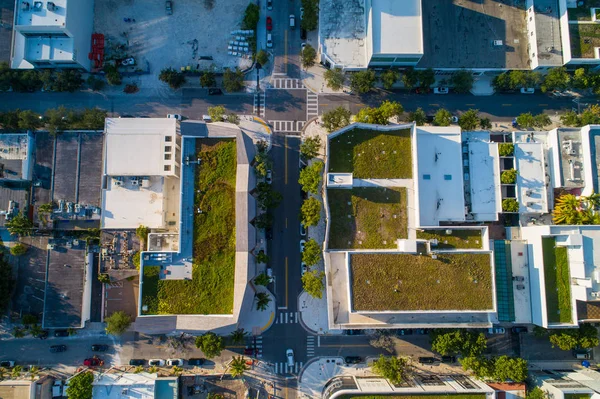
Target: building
column 52, row 34
column 40, row 388
column 565, row 384
column 116, row 384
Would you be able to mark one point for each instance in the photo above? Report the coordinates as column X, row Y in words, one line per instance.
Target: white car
column 289, row 354
column 440, row 90
column 206, row 118
column 269, row 40
column 527, row 90
column 302, row 230
column 302, row 243
column 496, row 330
column 269, row 177
column 455, row 119
column 269, row 5
column 301, row 13
column 302, row 47
column 292, row 21
column 174, row 116
column 156, row 362
column 128, row 61
column 175, row 362
column 304, row 268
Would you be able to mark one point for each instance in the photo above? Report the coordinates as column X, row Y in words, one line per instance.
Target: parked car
column 269, row 177
column 292, row 21
column 405, row 331
column 455, row 119
column 448, row 359
column 519, row 329
column 353, row 332
column 156, row 362
column 93, row 362
column 302, row 243
column 303, row 34
column 174, row 116
column 269, row 233
column 527, row 90
column 496, row 330
column 269, row 5
column 301, row 13
column 250, row 352
column 99, row 348
column 169, row 7
column 128, row 61
column 428, row 360
column 440, row 90
column 58, row 348
column 214, row 92
column 303, row 268
column 269, row 40
column 196, row 361
column 175, row 362
column 289, row 354
column 61, row 333
column 137, row 362
column 206, row 118
column 269, row 23
column 302, row 230
column 7, row 363
column 42, row 335
column 422, row 331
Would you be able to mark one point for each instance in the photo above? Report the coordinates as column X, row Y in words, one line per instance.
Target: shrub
column 334, row 78
column 136, row 260
column 509, row 176
column 113, row 77
column 18, row 249
column 207, row 79
column 262, row 57
column 510, row 205
column 233, row 80
column 173, row 78
column 506, row 149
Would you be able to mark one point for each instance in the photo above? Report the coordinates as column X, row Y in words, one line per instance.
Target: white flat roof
column 531, row 177
column 128, row 206
column 136, row 146
column 110, row 386
column 49, row 49
column 343, row 32
column 485, row 193
column 42, row 15
column 440, row 176
column 396, row 27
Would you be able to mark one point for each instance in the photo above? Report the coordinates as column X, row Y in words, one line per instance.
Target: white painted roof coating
column 397, row 27
column 531, row 177
column 440, row 178
column 483, row 173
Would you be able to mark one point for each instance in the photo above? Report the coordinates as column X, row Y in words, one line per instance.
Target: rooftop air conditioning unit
column 25, row 6
column 497, row 43
column 37, row 6
column 50, row 6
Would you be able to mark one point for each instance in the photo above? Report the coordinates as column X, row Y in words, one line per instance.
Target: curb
column 269, row 323
column 315, row 359
column 262, row 122
column 311, row 120
column 308, row 329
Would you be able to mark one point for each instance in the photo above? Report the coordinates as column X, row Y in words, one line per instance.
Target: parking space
column 177, row 40
column 476, row 34
column 122, row 296
column 65, row 167
column 90, row 169
column 31, row 277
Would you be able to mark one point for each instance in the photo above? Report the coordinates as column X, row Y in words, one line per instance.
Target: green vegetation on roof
column 210, row 291
column 578, row 395
column 584, row 38
column 367, row 218
column 371, row 154
column 469, row 239
column 557, row 282
column 419, row 282
column 474, row 396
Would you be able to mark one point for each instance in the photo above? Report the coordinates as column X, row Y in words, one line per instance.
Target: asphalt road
column 286, row 41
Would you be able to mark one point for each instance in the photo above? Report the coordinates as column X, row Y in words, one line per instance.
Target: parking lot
column 459, row 34
column 196, row 29
column 31, row 278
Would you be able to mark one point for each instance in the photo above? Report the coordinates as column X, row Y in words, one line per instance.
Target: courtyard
column 404, row 282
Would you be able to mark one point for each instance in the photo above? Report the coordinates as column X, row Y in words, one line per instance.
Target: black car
column 422, row 331
column 58, row 348
column 99, row 348
column 137, row 362
column 303, row 34
column 519, row 329
column 7, row 364
column 43, row 334
column 428, row 360
column 61, row 333
column 449, row 359
column 353, row 359
column 353, row 332
column 405, row 331
column 214, row 92
column 269, row 234
column 198, row 361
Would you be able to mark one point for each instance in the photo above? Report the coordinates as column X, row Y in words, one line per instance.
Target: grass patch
column 584, row 38
column 376, row 215
column 557, row 282
column 577, row 395
column 211, row 289
column 370, row 154
column 417, row 282
column 470, row 239
column 583, row 13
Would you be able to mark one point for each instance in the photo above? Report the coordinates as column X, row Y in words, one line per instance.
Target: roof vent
column 37, row 6
column 25, row 6
column 51, row 6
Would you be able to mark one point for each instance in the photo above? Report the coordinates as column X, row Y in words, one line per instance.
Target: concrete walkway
column 315, row 374
column 313, row 314
column 258, row 321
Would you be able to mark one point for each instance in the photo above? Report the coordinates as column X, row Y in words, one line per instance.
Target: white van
column 269, row 40
column 292, row 21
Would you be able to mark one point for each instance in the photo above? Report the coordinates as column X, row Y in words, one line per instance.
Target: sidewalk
column 258, row 321
column 315, row 374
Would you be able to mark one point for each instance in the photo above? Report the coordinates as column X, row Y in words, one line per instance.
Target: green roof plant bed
column 418, row 282
column 578, row 395
column 210, row 291
column 584, row 12
column 584, row 37
column 457, row 239
column 506, row 149
column 371, row 154
column 508, row 176
column 557, row 282
column 474, row 396
column 367, row 217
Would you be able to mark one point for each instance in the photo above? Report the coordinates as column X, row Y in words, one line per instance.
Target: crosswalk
column 312, row 105
column 287, row 318
column 287, row 83
column 310, row 346
column 259, row 110
column 287, row 126
column 259, row 346
column 284, row 368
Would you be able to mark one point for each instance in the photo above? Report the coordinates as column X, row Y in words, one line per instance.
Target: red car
column 93, row 362
column 269, row 23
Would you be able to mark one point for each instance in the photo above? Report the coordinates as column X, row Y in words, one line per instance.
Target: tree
column 153, row 369
column 233, row 80
column 392, row 368
column 18, row 332
column 480, row 366
column 390, row 109
column 19, row 225
column 584, row 337
column 29, row 120
column 466, row 343
column 233, row 118
column 410, row 78
column 363, row 81
column 310, row 19
column 336, row 119
column 570, row 118
column 18, row 249
column 262, row 257
column 93, row 83
column 526, row 120
column 541, row 120
column 210, row 344
column 266, row 196
column 312, row 283
column 485, row 123
column 16, row 371
column 262, row 301
column 510, row 205
column 35, row 330
column 310, row 147
column 67, row 80
column 590, row 116
column 418, row 116
column 312, row 253
column 537, row 393
column 175, row 370
column 10, row 120
column 510, row 368
column 262, row 279
column 556, row 79
column 216, row 113
column 117, row 323
column 469, row 120
column 207, row 79
column 310, row 212
column 382, row 339
column 237, row 366
column 508, row 176
column 33, row 372
column 380, row 115
column 251, row 17
column 93, row 118
column 426, row 78
column 26, row 81
column 310, row 177
column 172, row 77
column 442, row 117
column 462, row 81
column 308, row 56
column 502, row 82
column 142, row 233
column 6, row 284
column 113, row 77
column 56, row 119
column 389, row 78
column 80, row 385
column 262, row 57
column 334, row 78
column 261, row 163
column 506, row 149
column 263, row 221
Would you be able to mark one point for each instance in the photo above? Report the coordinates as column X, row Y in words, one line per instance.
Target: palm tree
column 35, row 330
column 238, row 336
column 262, row 301
column 153, row 369
column 3, row 372
column 33, row 372
column 71, row 331
column 176, row 370
column 16, row 372
column 566, row 210
column 138, row 369
column 238, row 366
column 593, row 200
column 18, row 332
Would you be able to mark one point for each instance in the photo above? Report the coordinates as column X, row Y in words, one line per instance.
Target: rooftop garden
column 474, row 396
column 584, row 38
column 557, row 282
column 468, row 239
column 584, row 12
column 371, row 154
column 416, row 282
column 367, row 218
column 210, row 291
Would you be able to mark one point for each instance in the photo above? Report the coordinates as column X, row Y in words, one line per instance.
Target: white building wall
column 80, row 25
column 531, row 34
